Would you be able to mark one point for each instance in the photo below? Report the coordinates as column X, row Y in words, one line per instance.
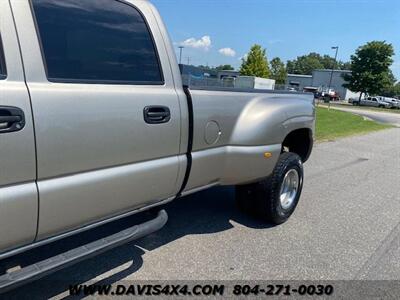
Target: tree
column 278, row 71
column 396, row 90
column 392, row 88
column 306, row 64
column 225, row 68
column 255, row 63
column 370, row 71
column 392, row 91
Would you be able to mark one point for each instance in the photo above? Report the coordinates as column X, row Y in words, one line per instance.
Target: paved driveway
column 347, row 226
column 382, row 117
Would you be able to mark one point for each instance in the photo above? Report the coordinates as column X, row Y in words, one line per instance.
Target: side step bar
column 36, row 271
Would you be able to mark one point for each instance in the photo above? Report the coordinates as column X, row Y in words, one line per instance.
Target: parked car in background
column 330, row 94
column 373, row 102
column 392, row 101
column 318, row 95
column 353, row 101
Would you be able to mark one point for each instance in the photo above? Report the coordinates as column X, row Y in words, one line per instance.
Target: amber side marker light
column 267, row 154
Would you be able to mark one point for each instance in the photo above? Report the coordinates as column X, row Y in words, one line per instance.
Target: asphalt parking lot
column 347, row 226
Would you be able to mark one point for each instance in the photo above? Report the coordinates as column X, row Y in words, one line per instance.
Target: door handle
column 11, row 119
column 156, row 114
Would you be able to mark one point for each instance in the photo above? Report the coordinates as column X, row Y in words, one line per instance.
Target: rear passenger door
column 107, row 115
column 18, row 193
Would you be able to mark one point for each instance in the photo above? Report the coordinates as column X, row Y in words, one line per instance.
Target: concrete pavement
column 347, row 226
column 378, row 116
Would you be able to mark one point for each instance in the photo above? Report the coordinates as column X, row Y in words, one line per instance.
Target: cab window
column 96, row 41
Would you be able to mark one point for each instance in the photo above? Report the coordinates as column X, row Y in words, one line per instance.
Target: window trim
column 3, row 70
column 95, row 81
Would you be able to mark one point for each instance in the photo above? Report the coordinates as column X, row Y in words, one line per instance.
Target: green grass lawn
column 332, row 124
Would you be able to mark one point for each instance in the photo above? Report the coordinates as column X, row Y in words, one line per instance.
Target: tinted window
column 3, row 72
column 96, row 40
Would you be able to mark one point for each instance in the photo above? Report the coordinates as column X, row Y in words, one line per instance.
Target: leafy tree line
column 369, row 66
column 306, row 64
column 256, row 64
column 218, row 68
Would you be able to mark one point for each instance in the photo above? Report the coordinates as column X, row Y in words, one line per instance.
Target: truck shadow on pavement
column 206, row 212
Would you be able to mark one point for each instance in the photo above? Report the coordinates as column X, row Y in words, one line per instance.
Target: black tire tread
column 270, row 186
column 257, row 198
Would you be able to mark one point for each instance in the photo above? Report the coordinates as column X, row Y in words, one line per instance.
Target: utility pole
column 180, row 54
column 330, row 80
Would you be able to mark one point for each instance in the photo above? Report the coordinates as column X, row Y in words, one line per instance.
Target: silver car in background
column 373, row 102
column 392, row 101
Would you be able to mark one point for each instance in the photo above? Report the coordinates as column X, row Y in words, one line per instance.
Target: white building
column 320, row 79
column 252, row 82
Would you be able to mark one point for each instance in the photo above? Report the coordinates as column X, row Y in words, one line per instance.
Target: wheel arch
column 299, row 141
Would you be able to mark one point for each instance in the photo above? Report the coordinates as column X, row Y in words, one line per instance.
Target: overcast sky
column 221, row 31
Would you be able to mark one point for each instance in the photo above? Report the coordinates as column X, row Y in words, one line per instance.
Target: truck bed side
column 234, row 130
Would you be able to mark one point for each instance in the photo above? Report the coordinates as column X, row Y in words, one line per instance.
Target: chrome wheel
column 289, row 188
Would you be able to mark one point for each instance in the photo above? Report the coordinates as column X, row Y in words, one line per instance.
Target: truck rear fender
column 268, row 121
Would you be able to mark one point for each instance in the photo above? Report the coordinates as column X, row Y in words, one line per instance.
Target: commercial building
column 320, row 80
column 203, row 77
column 299, row 82
column 252, row 82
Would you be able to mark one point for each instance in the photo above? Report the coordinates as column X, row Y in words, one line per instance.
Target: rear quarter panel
column 250, row 119
column 250, row 124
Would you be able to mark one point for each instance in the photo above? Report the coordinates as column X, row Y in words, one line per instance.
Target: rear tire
column 275, row 198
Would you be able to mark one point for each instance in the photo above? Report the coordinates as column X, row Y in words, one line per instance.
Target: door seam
column 33, row 121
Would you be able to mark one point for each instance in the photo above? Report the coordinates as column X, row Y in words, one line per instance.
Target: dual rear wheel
column 275, row 198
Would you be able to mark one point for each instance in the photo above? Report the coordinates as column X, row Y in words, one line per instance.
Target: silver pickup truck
column 95, row 125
